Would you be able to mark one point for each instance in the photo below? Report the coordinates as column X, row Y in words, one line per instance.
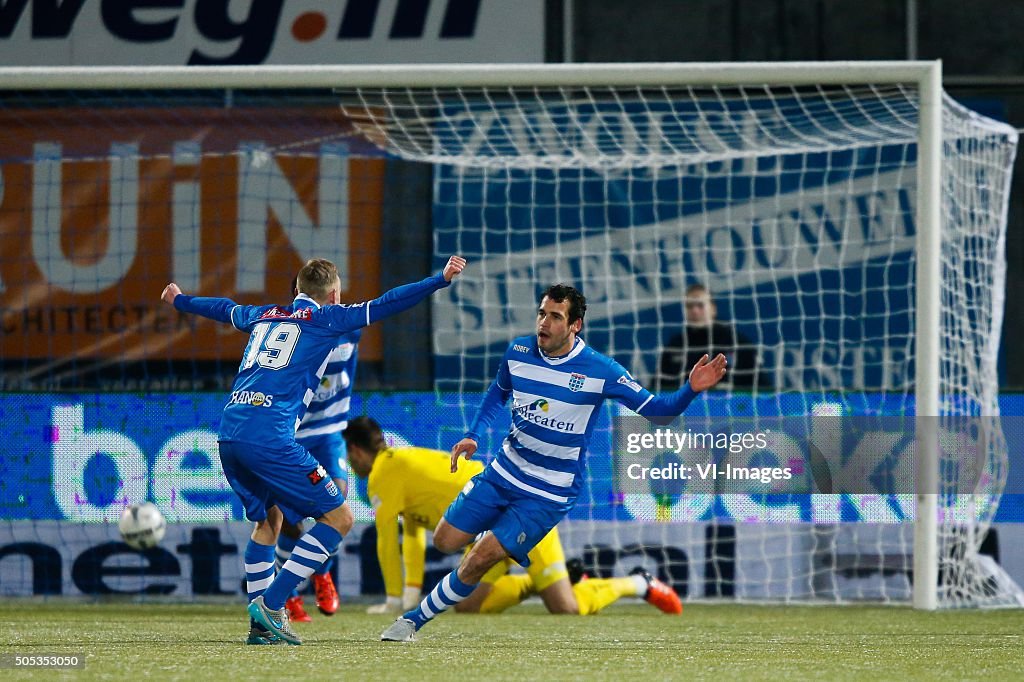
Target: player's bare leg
column 449, row 539
column 485, row 554
column 266, row 531
column 559, row 598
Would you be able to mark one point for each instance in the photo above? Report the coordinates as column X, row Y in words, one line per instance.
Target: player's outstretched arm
column 218, row 309
column 394, row 301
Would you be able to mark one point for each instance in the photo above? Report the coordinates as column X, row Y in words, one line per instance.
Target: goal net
column 777, row 213
column 784, row 219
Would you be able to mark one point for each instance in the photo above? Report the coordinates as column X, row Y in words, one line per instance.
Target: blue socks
column 325, row 568
column 259, row 568
column 310, row 552
column 448, row 592
column 285, row 545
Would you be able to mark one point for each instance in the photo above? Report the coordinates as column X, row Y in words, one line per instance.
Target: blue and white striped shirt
column 555, row 406
column 327, row 413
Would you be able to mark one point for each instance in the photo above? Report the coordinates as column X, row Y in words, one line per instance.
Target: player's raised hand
column 454, row 267
column 170, row 292
column 466, row 448
column 706, row 373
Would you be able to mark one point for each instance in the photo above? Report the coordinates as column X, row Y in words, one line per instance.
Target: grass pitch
column 626, row 642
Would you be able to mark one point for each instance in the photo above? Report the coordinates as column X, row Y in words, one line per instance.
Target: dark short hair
column 697, row 287
column 365, row 433
column 293, row 292
column 563, row 292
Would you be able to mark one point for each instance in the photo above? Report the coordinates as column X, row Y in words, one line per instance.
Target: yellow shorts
column 547, row 563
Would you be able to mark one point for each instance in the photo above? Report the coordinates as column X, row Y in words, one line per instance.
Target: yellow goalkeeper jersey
column 416, row 484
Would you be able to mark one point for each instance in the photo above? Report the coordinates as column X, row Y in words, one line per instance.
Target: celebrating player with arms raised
column 285, row 359
column 557, row 385
column 320, row 433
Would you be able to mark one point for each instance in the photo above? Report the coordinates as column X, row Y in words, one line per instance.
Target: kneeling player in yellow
column 417, row 484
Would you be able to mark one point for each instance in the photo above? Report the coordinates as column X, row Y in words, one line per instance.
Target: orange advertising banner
column 100, row 209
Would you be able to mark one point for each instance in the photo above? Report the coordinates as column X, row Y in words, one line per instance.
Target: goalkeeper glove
column 410, row 597
column 391, row 606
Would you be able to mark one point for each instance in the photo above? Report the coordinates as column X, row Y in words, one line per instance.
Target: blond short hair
column 317, row 278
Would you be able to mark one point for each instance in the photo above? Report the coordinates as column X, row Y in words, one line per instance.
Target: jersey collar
column 304, row 297
column 576, row 350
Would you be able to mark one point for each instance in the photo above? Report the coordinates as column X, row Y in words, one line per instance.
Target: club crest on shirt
column 576, row 381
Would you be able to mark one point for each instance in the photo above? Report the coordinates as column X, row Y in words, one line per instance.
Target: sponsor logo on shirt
column 273, row 312
column 576, row 381
column 325, row 390
column 532, row 412
column 317, row 475
column 521, row 348
column 627, row 381
column 254, row 398
column 302, row 314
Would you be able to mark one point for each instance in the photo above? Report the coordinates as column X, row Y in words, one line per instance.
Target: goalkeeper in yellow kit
column 417, row 485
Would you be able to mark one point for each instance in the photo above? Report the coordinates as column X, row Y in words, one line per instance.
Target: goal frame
column 925, row 75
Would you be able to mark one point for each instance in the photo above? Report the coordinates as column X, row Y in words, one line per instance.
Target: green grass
column 629, row 642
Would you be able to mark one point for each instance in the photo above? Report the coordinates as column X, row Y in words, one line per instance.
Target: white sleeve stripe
column 232, row 316
column 644, row 403
column 367, row 313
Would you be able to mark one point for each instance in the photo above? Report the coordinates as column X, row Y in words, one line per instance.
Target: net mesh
column 793, row 207
column 792, row 210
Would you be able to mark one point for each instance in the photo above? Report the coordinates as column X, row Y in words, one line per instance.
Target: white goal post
column 370, row 93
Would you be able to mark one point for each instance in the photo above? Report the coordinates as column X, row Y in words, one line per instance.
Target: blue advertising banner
column 84, row 457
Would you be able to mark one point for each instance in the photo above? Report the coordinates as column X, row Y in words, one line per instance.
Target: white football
column 142, row 525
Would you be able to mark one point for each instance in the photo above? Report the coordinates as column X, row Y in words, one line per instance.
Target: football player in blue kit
column 557, row 385
column 288, row 352
column 320, row 433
